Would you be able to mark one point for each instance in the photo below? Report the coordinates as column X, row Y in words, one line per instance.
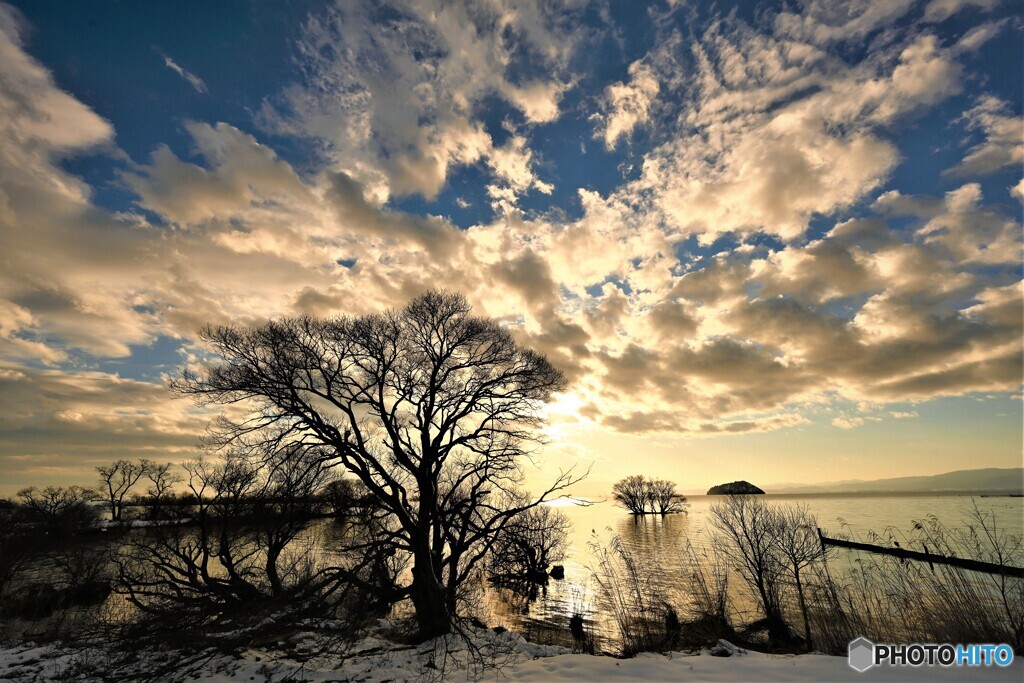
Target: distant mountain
column 993, row 479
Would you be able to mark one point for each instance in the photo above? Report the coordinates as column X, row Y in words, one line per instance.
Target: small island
column 734, row 488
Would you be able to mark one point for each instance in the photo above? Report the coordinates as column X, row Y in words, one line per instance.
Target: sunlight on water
column 658, row 544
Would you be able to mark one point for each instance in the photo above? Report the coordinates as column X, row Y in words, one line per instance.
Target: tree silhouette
column 664, row 498
column 796, row 537
column 116, row 480
column 633, row 494
column 643, row 496
column 430, row 407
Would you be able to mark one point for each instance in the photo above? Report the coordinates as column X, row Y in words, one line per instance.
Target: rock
column 558, row 572
column 576, row 627
column 736, row 487
column 537, row 576
column 723, row 648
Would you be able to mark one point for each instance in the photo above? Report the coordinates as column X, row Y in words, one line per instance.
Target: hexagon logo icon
column 862, row 654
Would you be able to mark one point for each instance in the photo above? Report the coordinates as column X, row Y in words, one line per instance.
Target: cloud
column 1003, row 146
column 68, row 422
column 193, row 80
column 940, row 10
column 628, row 104
column 898, row 298
column 512, row 165
column 394, row 103
column 848, row 422
column 774, row 128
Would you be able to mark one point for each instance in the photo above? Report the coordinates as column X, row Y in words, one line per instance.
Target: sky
column 774, row 242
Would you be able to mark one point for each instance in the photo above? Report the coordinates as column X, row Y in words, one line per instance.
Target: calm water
column 657, row 543
column 659, row 546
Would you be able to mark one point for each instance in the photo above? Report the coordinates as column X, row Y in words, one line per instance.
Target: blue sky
column 747, row 229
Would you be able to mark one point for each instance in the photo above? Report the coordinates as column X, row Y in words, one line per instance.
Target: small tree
column 162, row 479
column 794, row 532
column 632, row 493
column 664, row 499
column 236, row 552
column 116, row 480
column 17, row 542
column 534, row 540
column 746, row 536
column 61, row 509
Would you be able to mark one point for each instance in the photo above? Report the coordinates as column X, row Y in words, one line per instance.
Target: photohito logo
column 863, row 654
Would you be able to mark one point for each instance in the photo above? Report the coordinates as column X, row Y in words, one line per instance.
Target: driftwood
column 930, row 558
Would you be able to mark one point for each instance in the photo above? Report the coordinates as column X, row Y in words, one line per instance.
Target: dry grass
column 888, row 599
column 883, row 598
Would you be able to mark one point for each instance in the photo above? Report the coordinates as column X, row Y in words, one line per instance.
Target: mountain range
column 1007, row 480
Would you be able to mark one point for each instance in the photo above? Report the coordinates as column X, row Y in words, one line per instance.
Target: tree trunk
column 803, row 609
column 777, row 630
column 273, row 553
column 433, row 616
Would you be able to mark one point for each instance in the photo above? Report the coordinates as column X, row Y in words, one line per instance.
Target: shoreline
column 497, row 656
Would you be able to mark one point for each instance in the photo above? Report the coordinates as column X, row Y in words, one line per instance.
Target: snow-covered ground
column 500, row 657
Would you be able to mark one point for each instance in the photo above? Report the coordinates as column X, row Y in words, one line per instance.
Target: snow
column 506, row 656
column 753, row 666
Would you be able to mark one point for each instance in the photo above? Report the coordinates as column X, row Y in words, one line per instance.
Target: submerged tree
column 527, row 547
column 632, row 493
column 664, row 498
column 431, row 408
column 643, row 496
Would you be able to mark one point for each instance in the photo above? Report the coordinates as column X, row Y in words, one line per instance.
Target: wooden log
column 973, row 565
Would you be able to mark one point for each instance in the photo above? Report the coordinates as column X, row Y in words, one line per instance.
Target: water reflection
column 659, row 546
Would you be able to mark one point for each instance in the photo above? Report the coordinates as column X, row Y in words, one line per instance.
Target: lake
column 657, row 544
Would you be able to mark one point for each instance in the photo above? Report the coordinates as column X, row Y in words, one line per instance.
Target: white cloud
column 193, row 80
column 1003, row 146
column 848, row 422
column 900, row 305
column 774, row 128
column 628, row 104
column 393, row 103
column 512, row 165
column 940, row 10
column 1018, row 190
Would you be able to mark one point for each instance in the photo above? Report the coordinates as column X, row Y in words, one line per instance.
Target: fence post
column 930, row 565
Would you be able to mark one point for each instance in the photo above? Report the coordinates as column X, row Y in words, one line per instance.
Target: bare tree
column 62, row 509
column 664, row 498
column 162, row 478
column 17, row 542
column 746, row 526
column 643, row 496
column 430, row 407
column 794, row 532
column 237, row 550
column 632, row 493
column 294, row 478
column 116, row 480
column 527, row 546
